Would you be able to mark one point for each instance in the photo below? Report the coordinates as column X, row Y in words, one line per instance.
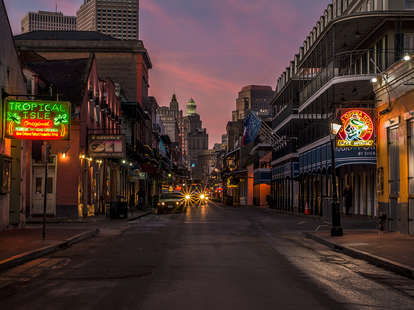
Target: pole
column 45, row 192
column 336, row 230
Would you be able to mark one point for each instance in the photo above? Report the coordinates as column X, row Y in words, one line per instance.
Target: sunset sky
column 209, row 49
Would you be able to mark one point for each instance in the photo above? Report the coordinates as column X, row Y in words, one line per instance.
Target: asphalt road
column 209, row 258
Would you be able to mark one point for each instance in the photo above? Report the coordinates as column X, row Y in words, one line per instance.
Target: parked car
column 171, row 202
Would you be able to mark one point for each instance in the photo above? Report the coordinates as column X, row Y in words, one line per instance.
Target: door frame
column 52, row 163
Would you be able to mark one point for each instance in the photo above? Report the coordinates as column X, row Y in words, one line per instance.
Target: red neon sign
column 357, row 129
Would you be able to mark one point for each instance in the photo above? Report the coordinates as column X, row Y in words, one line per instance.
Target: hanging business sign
column 106, row 146
column 37, row 120
column 358, row 129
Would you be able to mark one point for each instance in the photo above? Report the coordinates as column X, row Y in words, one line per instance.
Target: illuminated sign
column 37, row 120
column 106, row 146
column 358, row 129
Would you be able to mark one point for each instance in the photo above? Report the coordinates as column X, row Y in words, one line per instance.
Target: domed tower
column 191, row 107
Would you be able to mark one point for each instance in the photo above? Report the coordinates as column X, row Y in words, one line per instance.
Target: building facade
column 395, row 146
column 255, row 98
column 197, row 144
column 43, row 20
column 79, row 185
column 330, row 78
column 127, row 63
column 12, row 152
column 117, row 18
column 131, row 68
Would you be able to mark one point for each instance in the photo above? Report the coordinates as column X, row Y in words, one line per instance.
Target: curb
column 31, row 255
column 381, row 262
column 139, row 216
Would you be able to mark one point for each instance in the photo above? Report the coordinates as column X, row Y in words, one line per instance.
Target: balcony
column 360, row 65
column 283, row 114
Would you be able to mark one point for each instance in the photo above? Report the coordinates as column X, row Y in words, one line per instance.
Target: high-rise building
column 170, row 117
column 117, row 18
column 255, row 98
column 43, row 20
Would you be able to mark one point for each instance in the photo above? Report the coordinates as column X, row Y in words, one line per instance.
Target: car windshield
column 171, row 196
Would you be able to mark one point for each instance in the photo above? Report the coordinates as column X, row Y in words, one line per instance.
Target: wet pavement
column 208, row 258
column 389, row 245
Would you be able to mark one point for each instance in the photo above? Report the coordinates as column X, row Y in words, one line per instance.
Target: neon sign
column 357, row 129
column 37, row 120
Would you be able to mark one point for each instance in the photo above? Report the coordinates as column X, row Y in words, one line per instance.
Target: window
column 409, row 4
column 408, row 41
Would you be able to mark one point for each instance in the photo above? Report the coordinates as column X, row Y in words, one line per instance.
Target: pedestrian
column 141, row 202
column 348, row 199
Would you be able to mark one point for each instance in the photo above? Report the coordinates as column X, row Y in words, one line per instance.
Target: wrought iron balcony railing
column 351, row 64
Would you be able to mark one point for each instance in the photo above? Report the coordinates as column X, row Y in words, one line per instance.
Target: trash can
column 118, row 210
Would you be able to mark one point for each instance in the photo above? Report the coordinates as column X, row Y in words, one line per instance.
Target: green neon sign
column 37, row 120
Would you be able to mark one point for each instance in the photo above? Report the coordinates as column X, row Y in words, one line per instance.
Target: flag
column 252, row 126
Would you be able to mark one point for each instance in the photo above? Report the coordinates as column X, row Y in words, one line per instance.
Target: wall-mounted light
column 64, row 155
column 374, row 80
column 82, row 156
column 407, row 57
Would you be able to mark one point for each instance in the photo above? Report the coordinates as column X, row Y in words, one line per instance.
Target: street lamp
column 336, row 230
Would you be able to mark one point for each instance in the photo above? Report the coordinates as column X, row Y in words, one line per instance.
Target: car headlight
column 187, row 197
column 202, row 196
column 177, row 203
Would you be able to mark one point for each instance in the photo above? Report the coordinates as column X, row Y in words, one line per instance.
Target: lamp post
column 336, row 230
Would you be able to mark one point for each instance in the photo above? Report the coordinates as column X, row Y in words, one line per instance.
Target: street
column 209, row 258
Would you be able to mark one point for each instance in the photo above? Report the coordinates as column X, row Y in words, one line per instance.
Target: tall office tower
column 117, row 18
column 254, row 98
column 43, row 20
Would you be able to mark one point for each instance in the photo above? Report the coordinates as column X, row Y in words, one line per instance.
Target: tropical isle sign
column 358, row 129
column 37, row 120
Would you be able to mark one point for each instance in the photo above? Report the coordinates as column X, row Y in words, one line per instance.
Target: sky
column 209, row 49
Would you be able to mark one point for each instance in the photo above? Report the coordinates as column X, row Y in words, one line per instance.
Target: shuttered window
column 394, row 161
column 410, row 142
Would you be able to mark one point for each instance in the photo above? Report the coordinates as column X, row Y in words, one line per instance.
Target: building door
column 38, row 188
column 394, row 177
column 410, row 142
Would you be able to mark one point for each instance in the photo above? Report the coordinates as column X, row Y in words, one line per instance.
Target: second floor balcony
column 361, row 65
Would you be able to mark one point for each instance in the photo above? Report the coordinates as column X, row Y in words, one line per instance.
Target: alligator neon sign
column 357, row 129
column 37, row 120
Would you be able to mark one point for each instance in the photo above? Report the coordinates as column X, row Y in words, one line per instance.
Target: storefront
column 355, row 167
column 395, row 165
column 285, row 186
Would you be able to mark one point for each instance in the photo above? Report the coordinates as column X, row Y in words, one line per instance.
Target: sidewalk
column 391, row 251
column 18, row 246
